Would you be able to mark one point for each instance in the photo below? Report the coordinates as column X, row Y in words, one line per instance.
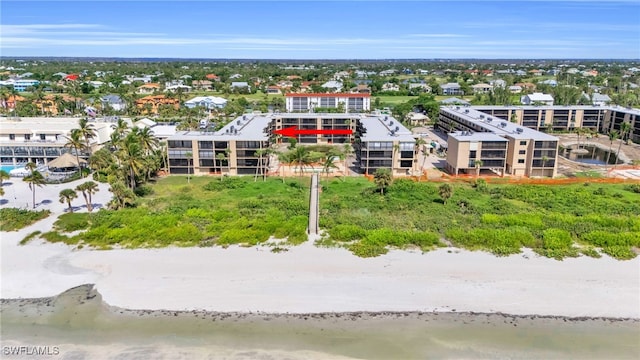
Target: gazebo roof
column 65, row 160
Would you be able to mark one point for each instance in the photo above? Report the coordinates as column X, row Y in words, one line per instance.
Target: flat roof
column 496, row 125
column 559, row 107
column 384, row 128
column 248, row 127
column 348, row 95
column 476, row 136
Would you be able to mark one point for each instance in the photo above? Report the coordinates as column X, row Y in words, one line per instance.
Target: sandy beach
column 307, row 279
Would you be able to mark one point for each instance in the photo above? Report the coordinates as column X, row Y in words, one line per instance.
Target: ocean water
column 86, row 328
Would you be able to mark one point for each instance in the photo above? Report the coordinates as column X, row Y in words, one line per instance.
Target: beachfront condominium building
column 379, row 141
column 602, row 119
column 308, row 102
column 40, row 140
column 479, row 142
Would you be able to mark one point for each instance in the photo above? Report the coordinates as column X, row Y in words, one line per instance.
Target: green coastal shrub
column 366, row 249
column 556, row 239
column 619, row 252
column 72, row 222
column 344, row 232
column 15, row 219
column 605, row 239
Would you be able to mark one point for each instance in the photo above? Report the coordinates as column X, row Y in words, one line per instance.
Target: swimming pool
column 8, row 168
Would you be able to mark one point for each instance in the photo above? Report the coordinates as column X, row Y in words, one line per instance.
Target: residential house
column 537, row 99
column 360, row 89
column 600, row 99
column 273, row 89
column 536, row 72
column 235, row 76
column 454, row 101
column 526, row 86
column 388, row 72
column 515, row 89
column 113, row 101
column 176, row 88
column 390, row 87
column 202, row 85
column 208, row 102
column 95, row 84
column 22, row 85
column 240, row 85
column 149, row 88
column 421, row 85
column 151, row 104
column 451, row 89
column 10, row 102
column 550, row 82
column 481, row 88
column 71, row 77
column 333, row 85
column 212, row 77
column 498, row 83
column 341, row 74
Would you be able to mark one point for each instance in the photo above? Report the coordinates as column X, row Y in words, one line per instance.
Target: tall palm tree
column 284, row 158
column 227, row 152
column 146, row 139
column 613, row 136
column 122, row 195
column 35, row 179
column 420, row 142
column 74, row 141
column 259, row 153
column 328, row 164
column 300, row 156
column 383, row 178
column 189, row 156
column 87, row 189
column 3, row 176
column 66, row 196
column 396, row 150
column 87, row 131
column 347, row 150
column 478, row 164
column 220, row 157
column 624, row 130
column 131, row 156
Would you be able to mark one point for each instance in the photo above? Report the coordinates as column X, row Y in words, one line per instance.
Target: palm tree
column 259, row 153
column 87, row 132
column 3, row 176
column 75, row 142
column 624, row 130
column 88, row 188
column 220, row 157
column 420, row 142
column 122, row 195
column 300, row 156
column 227, row 152
column 34, row 179
column 189, row 156
column 1, row 191
column 396, row 149
column 446, row 191
column 347, row 150
column 478, row 164
column 328, row 164
column 132, row 156
column 613, row 136
column 383, row 178
column 284, row 158
column 147, row 140
column 66, row 196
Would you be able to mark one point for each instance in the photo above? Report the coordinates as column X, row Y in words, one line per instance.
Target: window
column 472, row 154
column 43, row 137
column 27, row 136
column 520, row 161
column 12, row 136
column 523, row 142
column 522, row 152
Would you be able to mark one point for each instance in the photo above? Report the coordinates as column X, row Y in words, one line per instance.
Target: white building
column 537, row 98
column 208, row 102
column 303, row 102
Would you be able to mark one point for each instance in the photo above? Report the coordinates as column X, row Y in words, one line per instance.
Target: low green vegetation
column 555, row 221
column 30, row 237
column 206, row 212
column 15, row 219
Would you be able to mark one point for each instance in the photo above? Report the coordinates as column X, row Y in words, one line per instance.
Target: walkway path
column 313, row 206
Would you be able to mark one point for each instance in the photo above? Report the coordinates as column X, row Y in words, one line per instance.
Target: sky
column 302, row 29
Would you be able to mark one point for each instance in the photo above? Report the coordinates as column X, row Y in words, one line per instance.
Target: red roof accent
column 212, row 76
column 347, row 95
column 72, row 77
